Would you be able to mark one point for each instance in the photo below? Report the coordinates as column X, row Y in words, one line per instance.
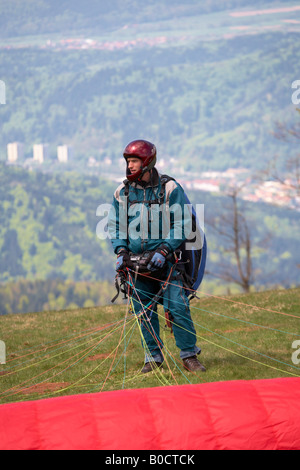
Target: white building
column 14, row 151
column 64, row 153
column 40, row 152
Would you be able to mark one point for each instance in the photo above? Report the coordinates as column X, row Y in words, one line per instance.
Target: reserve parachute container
column 193, row 251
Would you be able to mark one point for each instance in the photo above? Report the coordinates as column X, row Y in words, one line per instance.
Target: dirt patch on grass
column 45, row 387
column 96, row 357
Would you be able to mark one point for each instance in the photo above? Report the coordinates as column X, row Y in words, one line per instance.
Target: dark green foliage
column 53, row 294
column 48, row 226
column 11, row 254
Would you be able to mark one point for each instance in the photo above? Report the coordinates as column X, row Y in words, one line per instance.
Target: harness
column 138, row 265
column 138, row 262
column 126, row 288
column 159, row 198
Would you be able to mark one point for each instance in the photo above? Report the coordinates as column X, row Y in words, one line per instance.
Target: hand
column 122, row 260
column 158, row 259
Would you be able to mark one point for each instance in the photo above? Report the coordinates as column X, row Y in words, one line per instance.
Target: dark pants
column 176, row 302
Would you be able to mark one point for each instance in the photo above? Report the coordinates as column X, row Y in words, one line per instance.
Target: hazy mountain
column 34, row 17
column 206, row 81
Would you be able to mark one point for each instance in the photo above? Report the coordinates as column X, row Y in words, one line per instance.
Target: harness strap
column 163, row 181
column 150, row 201
column 169, row 320
column 121, row 286
column 156, row 298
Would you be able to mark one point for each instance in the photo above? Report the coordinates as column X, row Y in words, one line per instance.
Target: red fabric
column 261, row 414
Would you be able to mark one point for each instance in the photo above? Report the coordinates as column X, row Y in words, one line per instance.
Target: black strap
column 120, row 286
column 117, row 286
column 163, row 181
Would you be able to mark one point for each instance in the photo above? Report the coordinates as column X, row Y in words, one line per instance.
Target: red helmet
column 143, row 150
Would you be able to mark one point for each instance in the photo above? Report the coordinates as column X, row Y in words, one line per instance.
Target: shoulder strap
column 126, row 187
column 164, row 180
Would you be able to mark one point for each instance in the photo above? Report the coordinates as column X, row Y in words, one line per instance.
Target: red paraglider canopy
column 237, row 415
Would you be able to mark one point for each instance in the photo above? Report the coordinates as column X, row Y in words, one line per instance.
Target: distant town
column 222, row 182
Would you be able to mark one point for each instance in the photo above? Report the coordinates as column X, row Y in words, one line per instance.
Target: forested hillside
column 48, row 226
column 48, row 233
column 206, row 81
column 206, row 89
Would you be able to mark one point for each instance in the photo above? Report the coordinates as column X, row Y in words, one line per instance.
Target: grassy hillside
column 99, row 349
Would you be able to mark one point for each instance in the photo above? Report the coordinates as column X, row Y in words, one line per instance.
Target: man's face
column 134, row 164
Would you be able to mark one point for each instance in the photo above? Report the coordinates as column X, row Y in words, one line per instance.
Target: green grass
column 91, row 350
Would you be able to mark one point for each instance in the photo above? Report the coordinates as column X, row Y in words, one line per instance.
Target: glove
column 123, row 258
column 158, row 259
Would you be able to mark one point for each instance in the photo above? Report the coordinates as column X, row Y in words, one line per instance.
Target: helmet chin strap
column 144, row 170
column 139, row 178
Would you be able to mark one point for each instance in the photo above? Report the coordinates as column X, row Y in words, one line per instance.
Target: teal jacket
column 148, row 217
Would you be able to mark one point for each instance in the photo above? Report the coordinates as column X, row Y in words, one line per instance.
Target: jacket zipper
column 142, row 222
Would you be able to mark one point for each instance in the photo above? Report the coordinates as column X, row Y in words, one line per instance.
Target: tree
column 235, row 235
column 289, row 175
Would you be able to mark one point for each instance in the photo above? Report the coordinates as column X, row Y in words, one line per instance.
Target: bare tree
column 289, row 175
column 234, row 233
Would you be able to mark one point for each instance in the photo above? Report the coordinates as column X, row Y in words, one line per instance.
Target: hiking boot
column 151, row 366
column 193, row 365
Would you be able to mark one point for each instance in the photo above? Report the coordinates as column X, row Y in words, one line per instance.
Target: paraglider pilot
column 137, row 233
